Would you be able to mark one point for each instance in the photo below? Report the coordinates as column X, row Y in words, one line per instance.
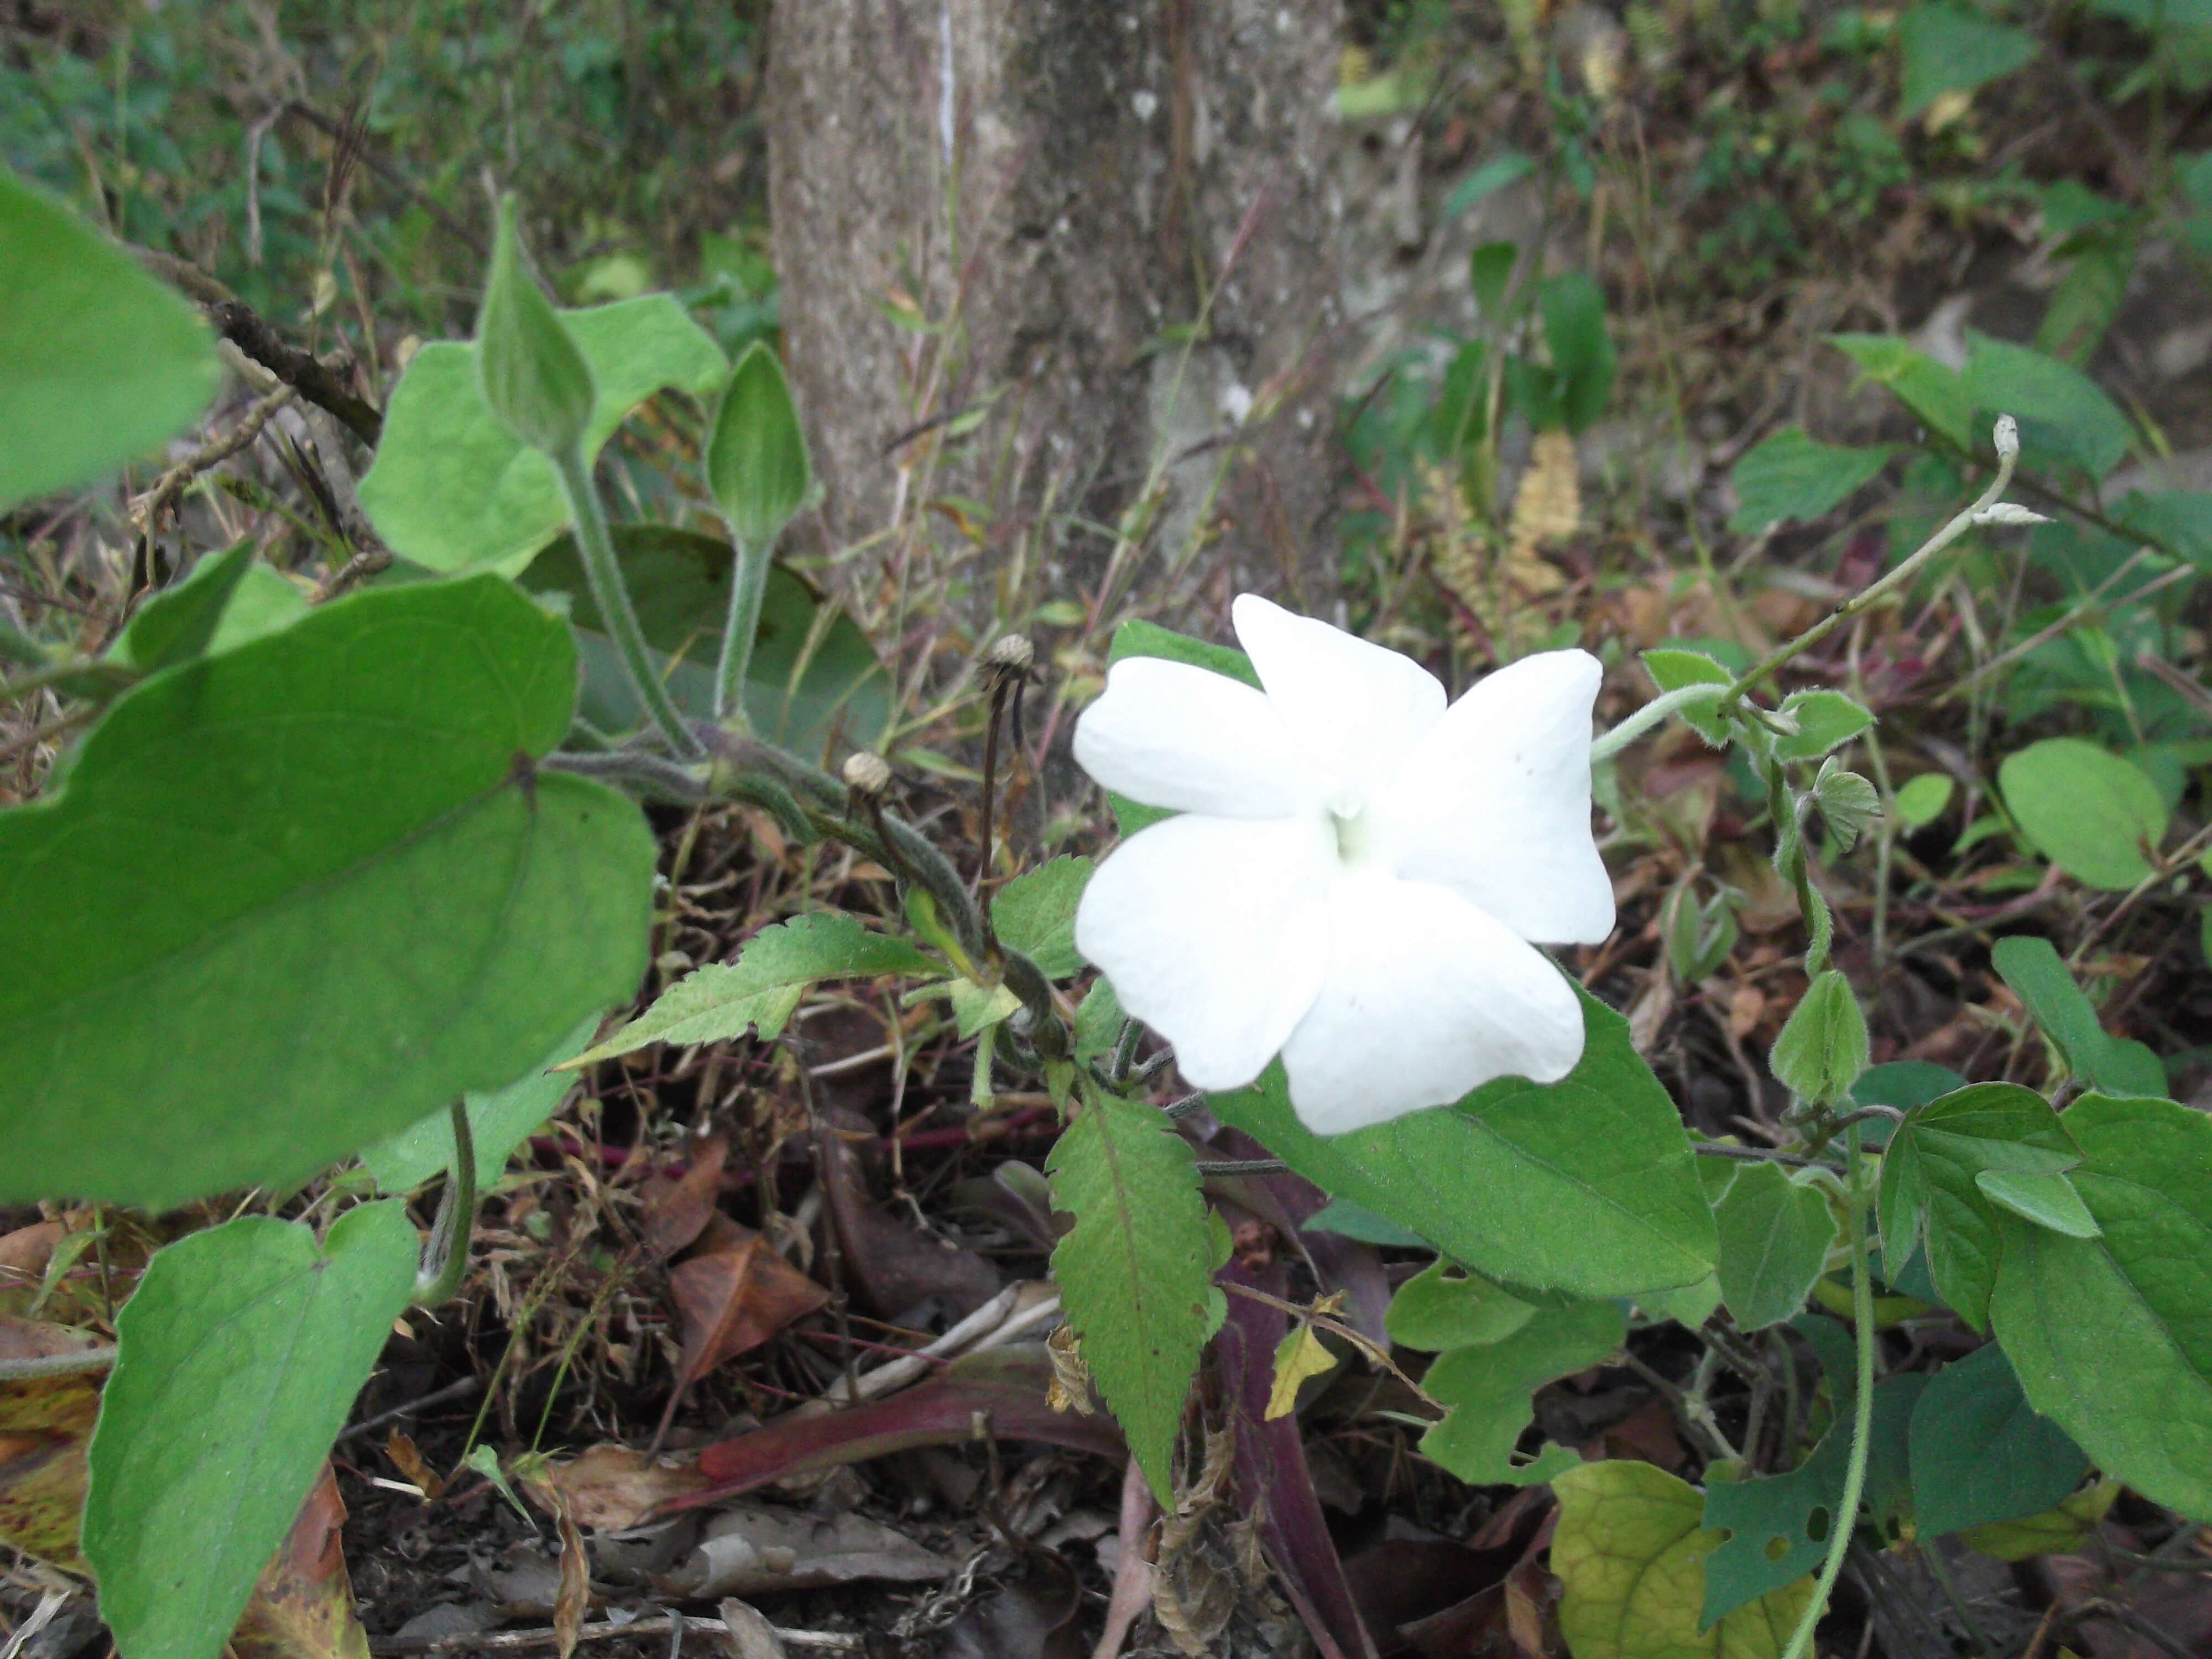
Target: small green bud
column 1823, row 1048
column 534, row 378
column 756, row 461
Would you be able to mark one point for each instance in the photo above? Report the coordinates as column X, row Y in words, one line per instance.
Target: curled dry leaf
column 748, row 1635
column 409, row 1462
column 896, row 1265
column 677, row 1207
column 45, row 1422
column 733, row 1295
column 612, row 1488
column 303, row 1605
column 753, row 1549
column 573, row 1600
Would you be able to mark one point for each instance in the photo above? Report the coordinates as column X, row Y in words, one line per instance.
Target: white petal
column 1172, row 735
column 1214, row 932
column 1495, row 803
column 1355, row 708
column 1425, row 998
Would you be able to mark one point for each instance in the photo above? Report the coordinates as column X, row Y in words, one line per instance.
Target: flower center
column 1355, row 828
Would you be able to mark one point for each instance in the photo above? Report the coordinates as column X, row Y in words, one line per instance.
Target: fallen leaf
column 735, row 1296
column 613, row 1488
column 754, row 1549
column 45, row 1422
column 750, row 1635
column 302, row 1605
column 676, row 1208
column 574, row 1600
column 1299, row 1355
column 1033, row 1619
column 409, row 1462
column 895, row 1265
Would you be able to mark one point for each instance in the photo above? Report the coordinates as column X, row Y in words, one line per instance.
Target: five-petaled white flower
column 1357, row 872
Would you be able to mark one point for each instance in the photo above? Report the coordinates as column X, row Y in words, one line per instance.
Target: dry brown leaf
column 303, row 1605
column 574, row 1600
column 1070, row 1390
column 44, row 1423
column 750, row 1635
column 752, row 1549
column 409, row 1462
column 676, row 1208
column 1547, row 509
column 734, row 1297
column 612, row 1488
column 897, row 1265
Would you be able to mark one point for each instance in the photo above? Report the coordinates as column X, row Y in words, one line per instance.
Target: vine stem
column 446, row 1257
column 748, row 586
column 1607, row 744
column 596, row 543
column 1839, row 1538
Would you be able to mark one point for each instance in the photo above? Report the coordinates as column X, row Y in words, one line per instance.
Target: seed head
column 866, row 775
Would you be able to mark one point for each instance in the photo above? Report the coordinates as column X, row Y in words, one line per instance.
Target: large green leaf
column 1931, row 1168
column 2063, row 415
column 1790, row 475
column 813, row 678
column 452, row 488
column 2088, row 812
column 2117, row 1065
column 1948, row 48
column 1586, row 1186
column 1488, row 1390
column 1134, row 1270
column 99, row 362
column 2111, row 1337
column 760, row 989
column 295, row 896
column 1980, row 1453
column 1630, row 1550
column 1934, row 393
column 1034, row 914
column 1444, row 1307
column 1774, row 1235
column 497, row 1123
column 240, row 1355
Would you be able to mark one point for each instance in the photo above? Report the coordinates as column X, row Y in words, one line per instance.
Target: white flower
column 1357, row 872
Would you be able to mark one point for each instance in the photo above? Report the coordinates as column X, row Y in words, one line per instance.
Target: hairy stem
column 596, row 543
column 748, row 585
column 1847, row 1512
column 1607, row 744
column 446, row 1256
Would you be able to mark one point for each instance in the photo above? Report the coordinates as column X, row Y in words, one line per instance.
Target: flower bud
column 757, row 460
column 2007, row 438
column 532, row 373
column 1012, row 654
column 867, row 774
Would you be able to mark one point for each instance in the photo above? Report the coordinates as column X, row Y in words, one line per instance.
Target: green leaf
column 1822, row 1048
column 2116, row 1065
column 1098, row 1019
column 1341, row 1216
column 1134, row 1271
column 180, row 623
column 1489, row 1388
column 1778, row 1529
column 530, row 373
column 1444, row 1307
column 99, row 362
column 452, row 488
column 2111, row 1335
column 295, row 896
column 1492, row 175
column 2087, row 298
column 1490, row 268
column 1948, row 48
column 2061, row 412
column 760, row 990
column 1582, row 358
column 974, row 1007
column 240, row 1355
column 1034, row 914
column 1789, row 476
column 1902, row 1084
column 1934, row 393
column 1980, row 1453
column 2059, row 1530
column 1922, row 800
column 2179, row 521
column 1825, row 721
column 1588, row 1185
column 1671, row 669
column 498, row 1122
column 2047, row 1199
column 1929, row 1170
column 1847, row 802
column 812, row 679
column 2087, row 810
column 757, row 462
column 1774, row 1235
column 1630, row 1550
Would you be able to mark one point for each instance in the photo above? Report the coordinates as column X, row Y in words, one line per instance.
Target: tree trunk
column 1061, row 299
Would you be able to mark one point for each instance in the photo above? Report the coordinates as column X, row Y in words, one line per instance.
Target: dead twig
column 148, row 509
column 496, row 1641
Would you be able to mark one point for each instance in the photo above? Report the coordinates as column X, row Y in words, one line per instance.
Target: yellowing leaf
column 2053, row 1531
column 1298, row 1356
column 1630, row 1550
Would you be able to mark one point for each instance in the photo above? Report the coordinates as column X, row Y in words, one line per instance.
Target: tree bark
column 1061, row 300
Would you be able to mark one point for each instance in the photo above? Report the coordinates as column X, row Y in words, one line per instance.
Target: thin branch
column 1762, row 1155
column 57, row 1364
column 494, row 1641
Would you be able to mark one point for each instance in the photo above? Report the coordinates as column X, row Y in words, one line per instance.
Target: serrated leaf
column 99, row 362
column 2110, row 1336
column 1444, row 1307
column 1588, row 1185
column 1930, row 1166
column 1630, row 1550
column 1301, row 1354
column 325, row 832
column 1980, row 1453
column 1489, row 1389
column 1034, row 914
column 451, row 489
column 759, row 992
column 240, row 1355
column 973, row 1007
column 498, row 1122
column 2088, row 812
column 2113, row 1065
column 1789, row 476
column 1098, row 1019
column 1934, row 393
column 1774, row 1235
column 1132, row 1271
